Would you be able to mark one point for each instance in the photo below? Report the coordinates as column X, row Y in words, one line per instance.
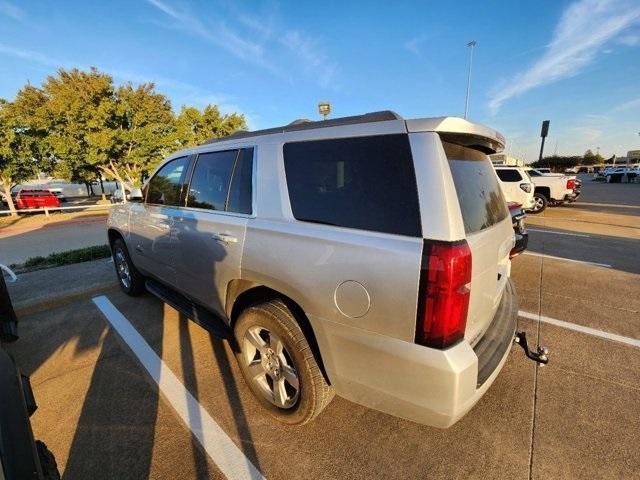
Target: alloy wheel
column 270, row 367
column 122, row 267
column 538, row 204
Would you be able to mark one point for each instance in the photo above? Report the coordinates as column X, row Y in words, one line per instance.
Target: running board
column 203, row 317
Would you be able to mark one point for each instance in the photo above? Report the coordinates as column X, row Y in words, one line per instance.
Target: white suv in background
column 516, row 185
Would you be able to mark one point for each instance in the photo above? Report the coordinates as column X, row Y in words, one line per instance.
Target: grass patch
column 71, row 256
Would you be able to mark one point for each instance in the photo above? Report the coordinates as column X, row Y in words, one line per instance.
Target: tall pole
column 541, row 149
column 471, row 44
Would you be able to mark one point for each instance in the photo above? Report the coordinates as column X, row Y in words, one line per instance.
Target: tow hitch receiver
column 541, row 356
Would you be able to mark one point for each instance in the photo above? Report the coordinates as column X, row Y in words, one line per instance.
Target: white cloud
column 629, row 105
column 583, row 30
column 630, row 40
column 219, row 34
column 258, row 42
column 414, row 44
column 313, row 58
column 188, row 93
column 11, row 10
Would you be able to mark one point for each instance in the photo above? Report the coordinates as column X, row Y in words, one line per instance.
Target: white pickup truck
column 552, row 189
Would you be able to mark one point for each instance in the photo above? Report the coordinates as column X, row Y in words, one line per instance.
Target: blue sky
column 576, row 63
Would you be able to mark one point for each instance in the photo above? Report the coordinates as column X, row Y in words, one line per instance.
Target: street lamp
column 324, row 108
column 471, row 44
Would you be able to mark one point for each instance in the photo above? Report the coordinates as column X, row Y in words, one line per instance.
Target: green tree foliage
column 589, row 158
column 79, row 126
column 23, row 150
column 558, row 163
column 143, row 137
column 194, row 127
column 80, row 113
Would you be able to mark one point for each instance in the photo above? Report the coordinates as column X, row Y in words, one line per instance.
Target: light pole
column 324, row 108
column 471, row 44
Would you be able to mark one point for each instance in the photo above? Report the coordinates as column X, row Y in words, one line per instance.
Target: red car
column 36, row 199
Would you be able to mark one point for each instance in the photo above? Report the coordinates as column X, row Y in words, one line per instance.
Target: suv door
column 210, row 230
column 151, row 245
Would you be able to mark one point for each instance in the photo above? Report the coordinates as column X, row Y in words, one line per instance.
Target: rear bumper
column 572, row 197
column 424, row 385
column 522, row 240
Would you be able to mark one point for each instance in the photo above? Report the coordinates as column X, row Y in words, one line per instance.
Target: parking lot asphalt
column 104, row 416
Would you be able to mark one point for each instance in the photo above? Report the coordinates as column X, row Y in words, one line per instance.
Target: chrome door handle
column 224, row 238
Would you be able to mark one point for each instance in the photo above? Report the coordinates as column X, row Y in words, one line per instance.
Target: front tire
column 131, row 281
column 278, row 364
column 540, row 203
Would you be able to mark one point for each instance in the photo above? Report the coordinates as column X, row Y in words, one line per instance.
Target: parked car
column 366, row 256
column 522, row 236
column 552, row 189
column 58, row 193
column 618, row 174
column 29, row 199
column 516, row 185
column 543, row 170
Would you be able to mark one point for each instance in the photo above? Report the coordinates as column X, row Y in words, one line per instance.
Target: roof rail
column 382, row 116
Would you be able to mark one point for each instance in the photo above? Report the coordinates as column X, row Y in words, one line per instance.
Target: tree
column 80, row 115
column 589, row 158
column 194, row 127
column 79, row 126
column 143, row 135
column 23, row 151
column 558, row 163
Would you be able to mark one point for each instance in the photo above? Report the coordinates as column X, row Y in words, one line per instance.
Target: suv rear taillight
column 443, row 300
column 571, row 184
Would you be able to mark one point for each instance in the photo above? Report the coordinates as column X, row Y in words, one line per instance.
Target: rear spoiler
column 460, row 131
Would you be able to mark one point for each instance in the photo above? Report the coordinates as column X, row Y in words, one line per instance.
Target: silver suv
column 366, row 256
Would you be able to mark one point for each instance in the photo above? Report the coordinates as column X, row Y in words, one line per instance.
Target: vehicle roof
column 483, row 136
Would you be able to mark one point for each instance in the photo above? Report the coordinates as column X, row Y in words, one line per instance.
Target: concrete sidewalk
column 45, row 289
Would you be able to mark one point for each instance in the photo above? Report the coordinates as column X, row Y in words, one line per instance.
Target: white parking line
column 220, row 448
column 579, row 328
column 583, row 262
column 614, row 205
column 558, row 233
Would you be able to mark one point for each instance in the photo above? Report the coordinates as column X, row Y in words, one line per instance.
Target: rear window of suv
column 367, row 183
column 508, row 175
column 481, row 200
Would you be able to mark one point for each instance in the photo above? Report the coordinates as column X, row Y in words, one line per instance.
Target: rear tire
column 278, row 364
column 131, row 281
column 540, row 203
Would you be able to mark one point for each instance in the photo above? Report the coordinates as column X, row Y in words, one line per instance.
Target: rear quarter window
column 366, row 183
column 508, row 175
column 479, row 194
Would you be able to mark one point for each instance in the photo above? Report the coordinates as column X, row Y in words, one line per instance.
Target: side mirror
column 135, row 195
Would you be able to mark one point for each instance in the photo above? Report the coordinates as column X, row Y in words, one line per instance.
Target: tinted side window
column 165, row 187
column 210, row 180
column 479, row 194
column 367, row 183
column 241, row 184
column 507, row 175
